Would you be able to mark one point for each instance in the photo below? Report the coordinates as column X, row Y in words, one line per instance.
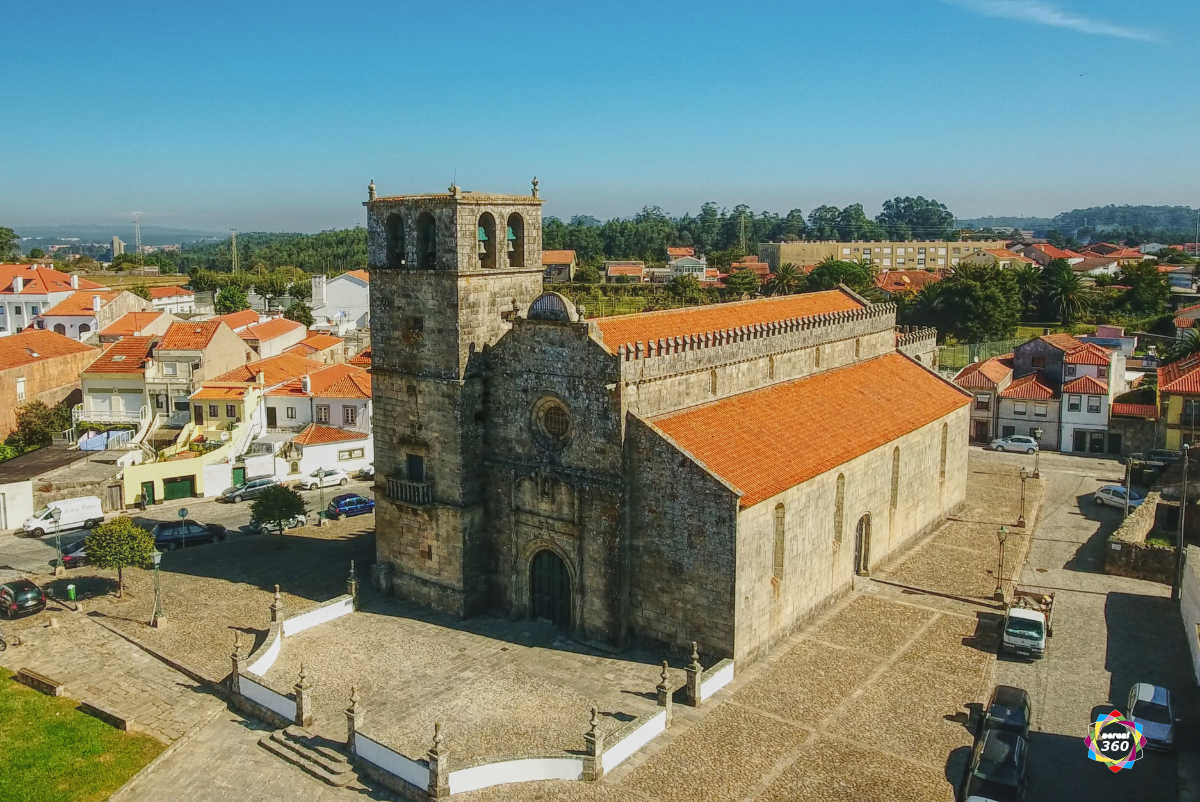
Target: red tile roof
column 1054, row 252
column 1184, row 322
column 564, row 257
column 361, row 275
column 1005, row 253
column 675, row 253
column 159, row 293
column 624, row 270
column 1089, row 354
column 1028, row 387
column 1090, row 263
column 314, row 342
column 905, row 280
column 1063, row 342
column 334, row 381
column 362, row 358
column 275, row 369
column 1135, row 410
column 645, row 326
column 80, row 304
column 985, row 375
column 194, row 336
column 218, row 392
column 1181, row 377
column 131, row 323
column 270, row 329
column 239, row 320
column 1086, row 384
column 32, row 345
column 315, row 434
column 40, row 280
column 126, row 355
column 766, row 441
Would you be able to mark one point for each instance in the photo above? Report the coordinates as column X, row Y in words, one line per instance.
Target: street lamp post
column 1021, row 518
column 1037, row 455
column 1178, row 583
column 1001, row 536
column 56, row 514
column 157, row 618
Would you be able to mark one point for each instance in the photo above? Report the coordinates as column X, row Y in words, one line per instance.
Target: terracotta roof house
column 558, row 265
column 174, row 299
column 27, row 290
column 682, row 250
column 1096, row 266
column 143, row 323
column 321, row 347
column 342, row 303
column 1179, row 400
column 38, row 365
column 1044, row 253
column 625, row 270
column 333, row 395
column 239, row 320
column 273, row 337
column 114, row 384
column 362, row 358
column 1185, row 319
column 985, row 380
column 188, row 354
column 84, row 312
column 903, row 282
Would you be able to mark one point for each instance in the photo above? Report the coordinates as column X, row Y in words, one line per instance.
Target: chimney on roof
column 261, row 378
column 74, row 281
column 306, row 384
column 95, row 303
column 18, row 284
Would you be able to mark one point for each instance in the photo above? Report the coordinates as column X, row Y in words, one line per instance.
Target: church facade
column 715, row 473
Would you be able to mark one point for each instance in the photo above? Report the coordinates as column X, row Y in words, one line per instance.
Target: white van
column 74, row 513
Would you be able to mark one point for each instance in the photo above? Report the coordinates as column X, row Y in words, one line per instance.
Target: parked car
column 349, row 504
column 999, row 767
column 75, row 554
column 249, row 489
column 1015, row 442
column 1114, row 496
column 1153, row 708
column 367, row 473
column 73, row 513
column 1008, row 709
column 21, row 597
column 324, row 477
column 177, row 534
column 257, row 527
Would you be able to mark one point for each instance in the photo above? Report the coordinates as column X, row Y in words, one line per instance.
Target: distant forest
column 1134, row 224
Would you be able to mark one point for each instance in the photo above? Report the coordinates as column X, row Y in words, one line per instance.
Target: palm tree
column 1185, row 346
column 788, row 279
column 1068, row 296
column 1027, row 279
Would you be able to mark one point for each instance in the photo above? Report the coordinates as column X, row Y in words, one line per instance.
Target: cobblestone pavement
column 101, row 667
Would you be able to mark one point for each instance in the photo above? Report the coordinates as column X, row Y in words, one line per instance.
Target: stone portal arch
column 550, row 589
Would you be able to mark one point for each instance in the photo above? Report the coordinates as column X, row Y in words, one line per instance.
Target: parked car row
column 321, row 477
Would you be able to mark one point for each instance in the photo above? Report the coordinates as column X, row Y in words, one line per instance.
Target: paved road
column 1109, row 632
column 28, row 556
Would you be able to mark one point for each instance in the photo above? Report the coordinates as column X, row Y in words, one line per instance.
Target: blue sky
column 275, row 116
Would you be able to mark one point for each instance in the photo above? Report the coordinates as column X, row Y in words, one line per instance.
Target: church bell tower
column 448, row 272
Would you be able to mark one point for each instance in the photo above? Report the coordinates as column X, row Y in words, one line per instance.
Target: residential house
column 678, row 252
column 114, row 384
column 38, row 365
column 318, row 446
column 320, row 347
column 1085, row 413
column 26, row 290
column 343, row 302
column 1092, row 266
column 754, row 265
column 362, row 358
column 188, row 354
column 1113, row 338
column 985, row 380
column 1124, row 256
column 238, row 320
column 903, row 282
column 1179, row 277
column 1185, row 319
column 273, row 337
column 1179, row 401
column 334, row 395
column 84, row 312
column 1029, row 405
column 690, row 266
column 1136, row 424
column 558, row 265
column 628, row 270
column 174, row 299
column 1001, row 258
column 893, row 254
column 136, row 323
column 1043, row 253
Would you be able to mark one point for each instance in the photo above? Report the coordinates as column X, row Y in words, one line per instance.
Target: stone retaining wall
column 1128, row 554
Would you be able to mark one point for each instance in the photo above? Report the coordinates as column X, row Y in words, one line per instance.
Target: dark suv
column 177, row 534
column 21, row 597
column 252, row 488
column 999, row 767
column 1008, row 709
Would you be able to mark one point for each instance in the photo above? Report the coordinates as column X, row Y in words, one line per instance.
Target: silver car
column 1015, row 442
column 1153, row 708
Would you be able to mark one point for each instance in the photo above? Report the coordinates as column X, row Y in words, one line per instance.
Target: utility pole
column 742, row 231
column 233, row 251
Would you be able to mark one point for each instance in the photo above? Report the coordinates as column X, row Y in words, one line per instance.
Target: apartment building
column 902, row 255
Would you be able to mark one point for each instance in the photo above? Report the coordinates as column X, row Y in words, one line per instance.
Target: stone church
column 714, row 473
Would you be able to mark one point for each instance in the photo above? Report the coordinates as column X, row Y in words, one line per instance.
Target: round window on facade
column 552, row 420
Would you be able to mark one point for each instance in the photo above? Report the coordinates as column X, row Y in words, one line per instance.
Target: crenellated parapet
column 919, row 343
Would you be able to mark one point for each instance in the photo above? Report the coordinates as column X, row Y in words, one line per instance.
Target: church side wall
column 819, row 561
column 669, row 381
column 682, row 537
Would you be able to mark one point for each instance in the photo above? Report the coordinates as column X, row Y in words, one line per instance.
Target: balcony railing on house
column 139, row 415
column 409, row 492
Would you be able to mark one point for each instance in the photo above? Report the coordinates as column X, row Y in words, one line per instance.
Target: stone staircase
column 315, row 755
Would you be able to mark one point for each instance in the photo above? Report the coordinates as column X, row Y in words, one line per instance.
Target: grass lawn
column 51, row 751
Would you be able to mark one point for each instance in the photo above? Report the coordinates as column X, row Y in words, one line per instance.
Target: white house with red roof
column 174, row 299
column 28, row 290
column 84, row 313
column 1043, row 253
column 342, row 303
column 273, row 337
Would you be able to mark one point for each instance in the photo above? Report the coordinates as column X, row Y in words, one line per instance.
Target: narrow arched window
column 838, row 503
column 516, row 240
column 712, row 375
column 895, row 477
column 487, row 241
column 777, row 569
column 817, row 357
column 770, row 367
column 426, row 240
column 395, row 240
column 942, row 468
column 857, row 347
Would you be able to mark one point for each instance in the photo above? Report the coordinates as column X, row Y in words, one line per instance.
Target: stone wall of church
column 682, row 541
column 680, row 376
column 819, row 533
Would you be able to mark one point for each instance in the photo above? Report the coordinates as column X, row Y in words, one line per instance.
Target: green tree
column 203, row 280
column 120, row 544
column 271, row 285
column 588, row 274
column 972, row 304
column 8, row 243
column 920, row 218
column 141, row 290
column 1063, row 292
column 299, row 312
column 231, row 298
column 822, row 222
column 742, row 282
column 1148, row 292
column 831, row 272
column 1028, row 280
column 277, row 505
column 300, row 290
column 37, row 253
column 1185, row 346
column 787, row 280
column 37, row 424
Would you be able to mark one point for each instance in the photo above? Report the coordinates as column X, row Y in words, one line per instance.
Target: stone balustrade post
column 236, row 658
column 693, row 678
column 663, row 692
column 593, row 745
column 352, row 587
column 439, row 765
column 353, row 720
column 277, row 608
column 303, row 689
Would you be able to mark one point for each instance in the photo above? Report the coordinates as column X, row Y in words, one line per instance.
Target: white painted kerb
column 321, row 615
column 267, row 697
column 619, row 752
column 516, row 771
column 718, row 680
column 263, row 664
column 394, row 763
